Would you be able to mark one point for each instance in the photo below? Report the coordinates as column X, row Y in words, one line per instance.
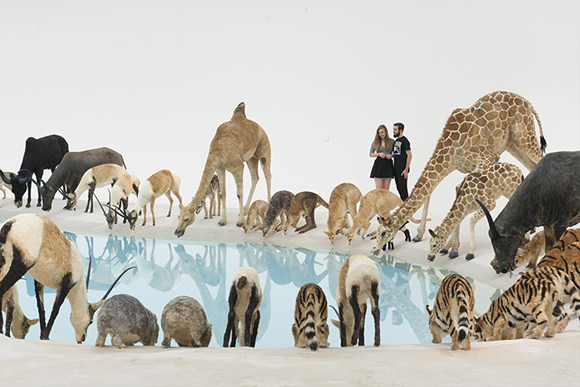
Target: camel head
column 186, row 218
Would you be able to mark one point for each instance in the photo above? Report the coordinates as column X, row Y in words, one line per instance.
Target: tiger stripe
column 453, row 312
column 570, row 236
column 533, row 300
column 310, row 328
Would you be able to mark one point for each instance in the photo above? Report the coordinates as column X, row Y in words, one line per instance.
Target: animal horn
column 117, row 280
column 120, row 213
column 44, row 185
column 25, row 179
column 89, row 270
column 493, row 234
column 4, row 178
column 100, row 205
column 335, row 311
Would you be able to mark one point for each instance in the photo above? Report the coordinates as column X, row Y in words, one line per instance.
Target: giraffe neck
column 452, row 220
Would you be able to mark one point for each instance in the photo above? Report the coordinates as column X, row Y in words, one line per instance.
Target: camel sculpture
column 473, row 139
column 236, row 142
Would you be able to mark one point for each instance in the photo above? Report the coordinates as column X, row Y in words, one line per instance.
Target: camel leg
column 253, row 168
column 265, row 163
column 239, row 179
column 221, row 173
column 423, row 224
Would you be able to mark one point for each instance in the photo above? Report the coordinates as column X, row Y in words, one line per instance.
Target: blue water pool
column 203, row 270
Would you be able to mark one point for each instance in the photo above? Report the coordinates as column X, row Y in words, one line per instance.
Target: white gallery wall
column 154, row 79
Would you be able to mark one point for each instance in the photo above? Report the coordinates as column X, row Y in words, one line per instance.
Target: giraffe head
column 436, row 243
column 385, row 234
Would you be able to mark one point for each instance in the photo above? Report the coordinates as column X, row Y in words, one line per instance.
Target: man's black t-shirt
column 400, row 148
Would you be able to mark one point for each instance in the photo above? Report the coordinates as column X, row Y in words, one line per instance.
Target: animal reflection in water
column 161, row 268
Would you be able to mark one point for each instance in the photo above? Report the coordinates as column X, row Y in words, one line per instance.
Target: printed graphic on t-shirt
column 397, row 148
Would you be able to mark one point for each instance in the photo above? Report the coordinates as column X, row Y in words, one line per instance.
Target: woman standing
column 382, row 150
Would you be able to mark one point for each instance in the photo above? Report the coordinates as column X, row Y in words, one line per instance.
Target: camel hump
column 240, row 111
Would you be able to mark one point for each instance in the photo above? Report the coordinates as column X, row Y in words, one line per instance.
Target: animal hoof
column 221, row 223
column 239, row 224
column 417, row 239
column 453, row 254
column 469, row 257
column 443, row 251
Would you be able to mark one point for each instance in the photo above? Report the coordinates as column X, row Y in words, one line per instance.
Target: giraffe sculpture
column 472, row 139
column 487, row 185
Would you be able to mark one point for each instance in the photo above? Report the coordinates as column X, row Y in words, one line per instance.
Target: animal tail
column 543, row 143
column 463, row 322
column 310, row 326
column 242, row 281
column 322, row 202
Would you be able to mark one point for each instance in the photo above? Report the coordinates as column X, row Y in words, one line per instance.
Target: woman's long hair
column 377, row 141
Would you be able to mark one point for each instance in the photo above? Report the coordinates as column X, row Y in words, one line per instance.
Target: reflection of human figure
column 382, row 150
column 402, row 156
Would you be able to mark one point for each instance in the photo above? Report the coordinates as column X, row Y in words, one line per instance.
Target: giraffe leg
column 423, row 224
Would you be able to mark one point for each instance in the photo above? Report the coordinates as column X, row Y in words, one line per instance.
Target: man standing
column 402, row 155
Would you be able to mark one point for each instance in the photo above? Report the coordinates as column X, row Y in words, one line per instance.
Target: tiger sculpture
column 310, row 328
column 564, row 285
column 570, row 261
column 496, row 328
column 529, row 300
column 555, row 254
column 453, row 312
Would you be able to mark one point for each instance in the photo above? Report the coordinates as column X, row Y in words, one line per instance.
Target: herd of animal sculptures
column 472, row 141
